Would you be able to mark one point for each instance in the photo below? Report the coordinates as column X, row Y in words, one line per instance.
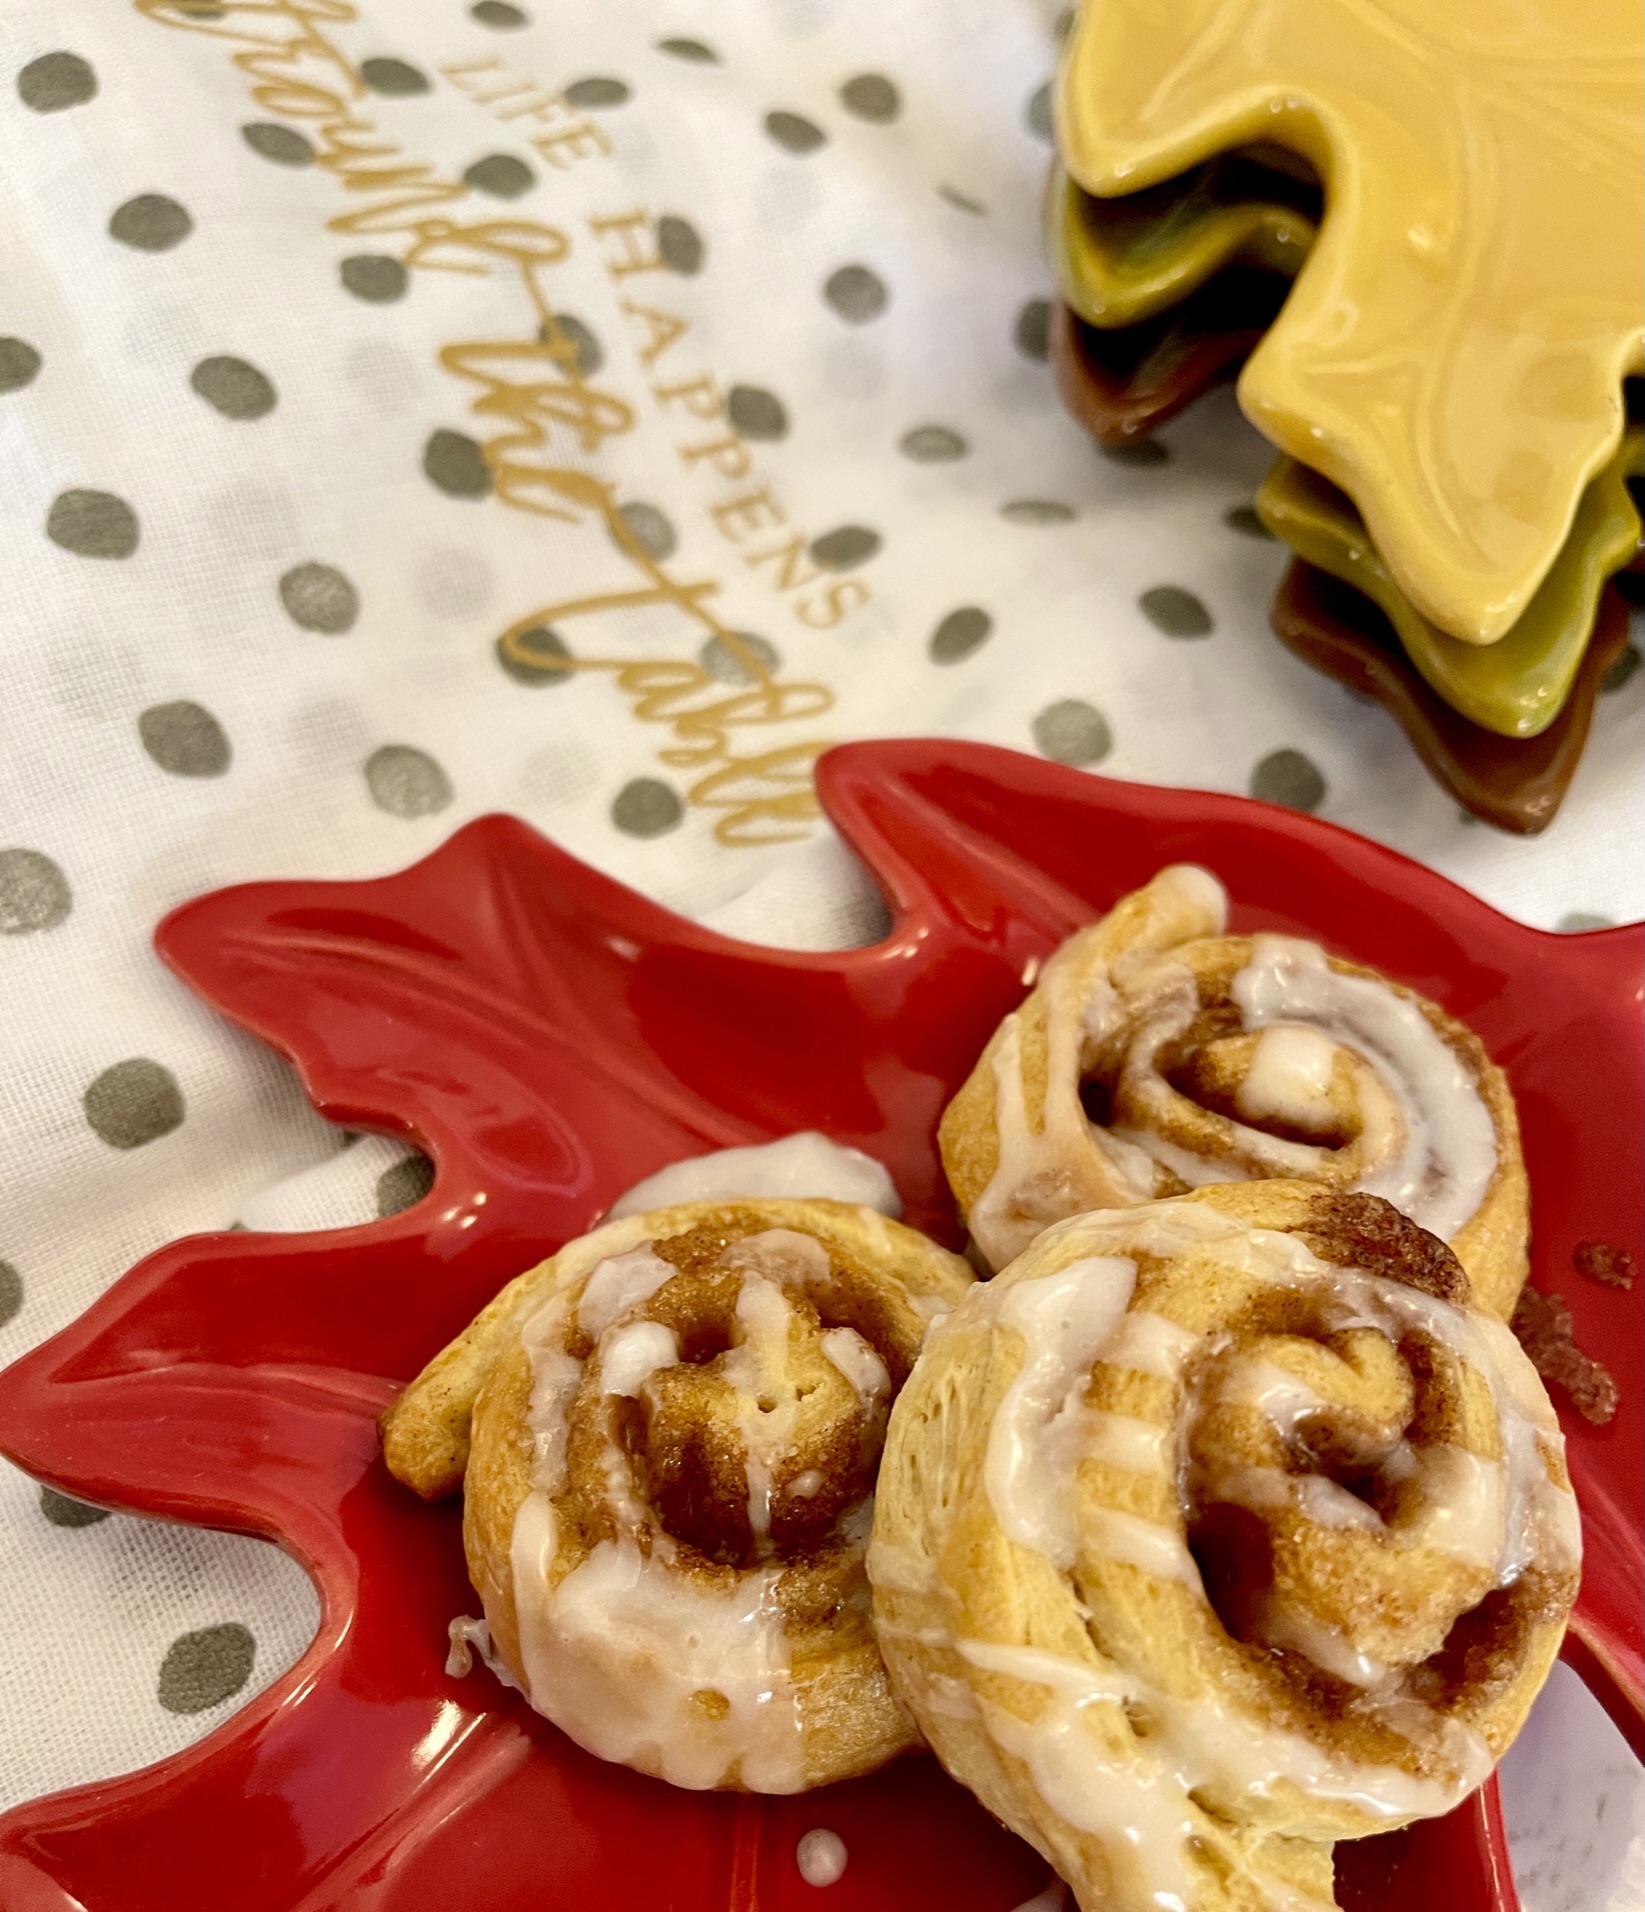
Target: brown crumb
column 1543, row 1325
column 1604, row 1261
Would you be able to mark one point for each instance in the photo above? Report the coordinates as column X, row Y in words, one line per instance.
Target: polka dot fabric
column 302, row 529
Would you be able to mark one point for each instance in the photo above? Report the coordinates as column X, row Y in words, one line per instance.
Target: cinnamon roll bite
column 1158, row 1054
column 668, row 1437
column 1215, row 1530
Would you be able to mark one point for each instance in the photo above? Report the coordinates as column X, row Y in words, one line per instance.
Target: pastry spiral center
column 742, row 1401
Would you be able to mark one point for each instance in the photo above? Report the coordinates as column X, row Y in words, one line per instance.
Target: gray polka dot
column 871, row 96
column 959, row 634
column 1032, row 332
column 651, row 530
column 534, row 656
column 233, row 387
column 1574, row 920
column 319, row 598
column 19, row 362
column 696, row 51
column 757, row 413
column 407, row 782
column 134, row 1102
column 151, row 222
column 1242, row 518
column 203, row 1669
column 845, row 547
column 497, row 13
column 1138, row 453
column 185, row 739
column 454, row 463
column 856, row 294
column 56, row 80
column 1288, row 777
column 932, row 445
column 680, row 244
column 394, row 79
column 62, row 1510
column 11, row 1292
column 1175, row 612
column 590, row 354
column 34, row 892
column 646, row 808
column 725, row 666
column 501, row 175
column 283, row 144
column 92, row 524
column 404, row 1184
column 794, row 133
column 1036, row 115
column 1036, row 511
column 375, row 277
column 1622, row 671
column 963, row 201
column 1072, row 732
column 598, row 90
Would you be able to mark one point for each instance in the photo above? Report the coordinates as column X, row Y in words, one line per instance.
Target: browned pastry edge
column 1517, row 784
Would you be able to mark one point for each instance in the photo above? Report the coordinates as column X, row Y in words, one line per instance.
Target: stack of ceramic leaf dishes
column 1419, row 231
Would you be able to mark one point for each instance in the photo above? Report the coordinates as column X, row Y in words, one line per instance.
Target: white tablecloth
column 256, row 570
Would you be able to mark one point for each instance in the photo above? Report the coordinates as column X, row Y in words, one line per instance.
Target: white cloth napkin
column 256, row 570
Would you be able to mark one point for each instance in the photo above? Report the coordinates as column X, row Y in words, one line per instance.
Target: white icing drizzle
column 821, row 1857
column 797, row 1167
column 1086, row 1761
column 1289, row 1079
column 1148, row 1545
column 683, row 1673
column 1150, row 1343
column 1135, row 1805
column 899, row 1569
column 1037, row 1437
column 631, row 1354
column 1052, row 1899
column 1327, row 1646
column 857, row 1361
column 618, row 1284
column 468, row 1637
column 1423, row 1137
column 1122, row 1440
column 1068, row 1164
column 617, row 1653
column 768, row 1409
column 1440, row 1176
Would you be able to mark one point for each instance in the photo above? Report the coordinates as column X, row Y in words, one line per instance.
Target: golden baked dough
column 1157, row 1054
column 667, row 1437
column 1218, row 1529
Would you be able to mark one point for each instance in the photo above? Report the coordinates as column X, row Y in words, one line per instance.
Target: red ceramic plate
column 549, row 1037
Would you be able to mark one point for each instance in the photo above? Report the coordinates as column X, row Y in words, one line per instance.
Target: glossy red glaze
column 550, row 1037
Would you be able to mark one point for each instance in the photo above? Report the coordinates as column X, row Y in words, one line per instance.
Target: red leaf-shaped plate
column 549, row 1037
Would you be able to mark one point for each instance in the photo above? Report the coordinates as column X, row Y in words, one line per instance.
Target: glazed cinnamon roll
column 673, row 1430
column 1218, row 1529
column 1157, row 1054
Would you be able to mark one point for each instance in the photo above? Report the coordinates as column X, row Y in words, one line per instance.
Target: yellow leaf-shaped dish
column 1452, row 350
column 1518, row 685
column 1119, row 261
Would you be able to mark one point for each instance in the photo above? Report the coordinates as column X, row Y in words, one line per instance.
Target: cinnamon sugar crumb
column 1543, row 1325
column 1604, row 1261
